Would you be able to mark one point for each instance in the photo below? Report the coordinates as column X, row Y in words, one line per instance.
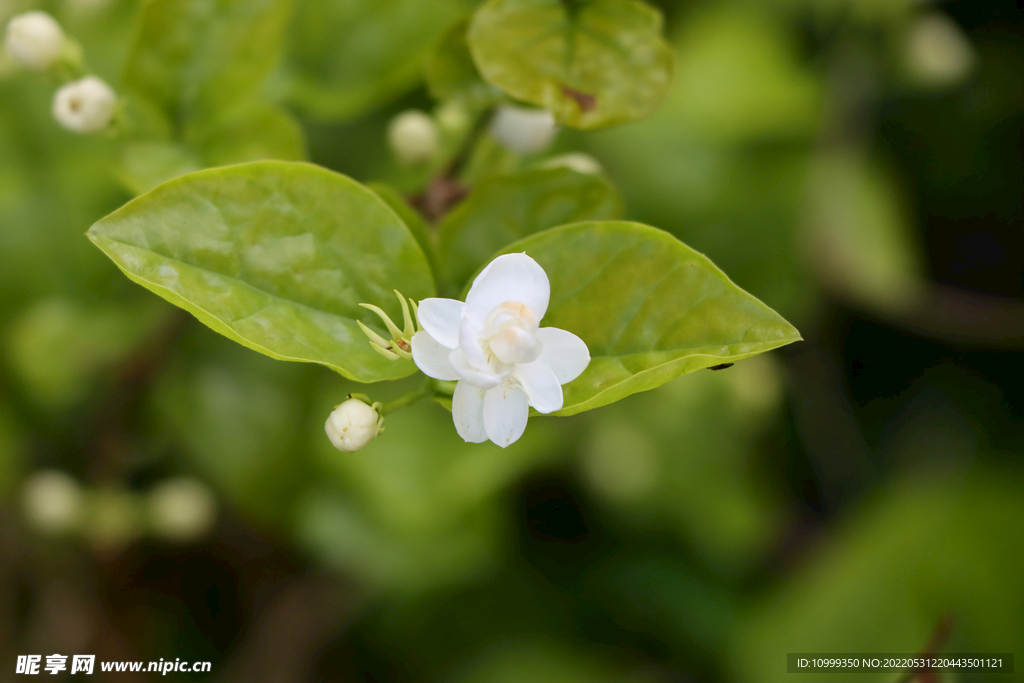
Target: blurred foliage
column 848, row 494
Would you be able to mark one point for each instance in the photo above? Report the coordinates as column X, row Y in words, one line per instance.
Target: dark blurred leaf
column 450, row 71
column 58, row 347
column 350, row 55
column 921, row 551
column 201, row 59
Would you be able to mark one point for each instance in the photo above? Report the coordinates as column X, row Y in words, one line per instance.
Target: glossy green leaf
column 200, row 58
column 506, row 208
column 350, row 55
column 648, row 307
column 592, row 63
column 450, row 71
column 276, row 256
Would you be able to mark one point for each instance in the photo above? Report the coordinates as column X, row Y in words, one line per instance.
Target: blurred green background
column 856, row 164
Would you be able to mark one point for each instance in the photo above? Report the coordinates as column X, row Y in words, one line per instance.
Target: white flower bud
column 938, row 52
column 575, row 161
column 522, row 130
column 181, row 509
column 413, row 137
column 352, row 425
column 34, row 40
column 85, row 106
column 52, row 502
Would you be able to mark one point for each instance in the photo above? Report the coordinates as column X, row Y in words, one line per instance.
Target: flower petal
column 468, row 412
column 566, row 354
column 467, row 373
column 432, row 358
column 541, row 386
column 512, row 277
column 440, row 317
column 506, row 410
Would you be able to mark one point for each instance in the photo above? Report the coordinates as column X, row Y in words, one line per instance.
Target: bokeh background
column 856, row 164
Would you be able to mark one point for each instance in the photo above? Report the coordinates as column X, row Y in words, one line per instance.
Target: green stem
column 424, row 390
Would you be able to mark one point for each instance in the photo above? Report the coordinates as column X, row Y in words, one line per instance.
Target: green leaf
column 197, row 59
column 592, row 63
column 648, row 307
column 348, row 56
column 276, row 256
column 450, row 71
column 506, row 208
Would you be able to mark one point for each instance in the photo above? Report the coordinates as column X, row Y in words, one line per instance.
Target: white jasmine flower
column 85, row 106
column 352, row 425
column 181, row 509
column 493, row 345
column 34, row 40
column 523, row 130
column 413, row 137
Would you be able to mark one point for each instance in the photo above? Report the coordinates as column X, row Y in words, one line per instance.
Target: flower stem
column 422, row 391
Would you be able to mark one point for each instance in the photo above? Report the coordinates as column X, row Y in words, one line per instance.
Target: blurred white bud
column 35, row 40
column 52, row 502
column 181, row 509
column 938, row 52
column 413, row 137
column 575, row 161
column 522, row 130
column 85, row 106
column 352, row 425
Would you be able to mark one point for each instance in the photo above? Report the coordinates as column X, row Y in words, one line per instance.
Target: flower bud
column 85, row 106
column 414, row 138
column 181, row 509
column 352, row 425
column 52, row 502
column 938, row 54
column 35, row 40
column 522, row 130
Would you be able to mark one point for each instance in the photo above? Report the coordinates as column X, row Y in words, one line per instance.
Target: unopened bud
column 181, row 509
column 35, row 40
column 522, row 130
column 85, row 106
column 52, row 502
column 352, row 425
column 414, row 138
column 938, row 52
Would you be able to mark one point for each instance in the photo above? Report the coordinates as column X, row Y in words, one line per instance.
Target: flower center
column 510, row 333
